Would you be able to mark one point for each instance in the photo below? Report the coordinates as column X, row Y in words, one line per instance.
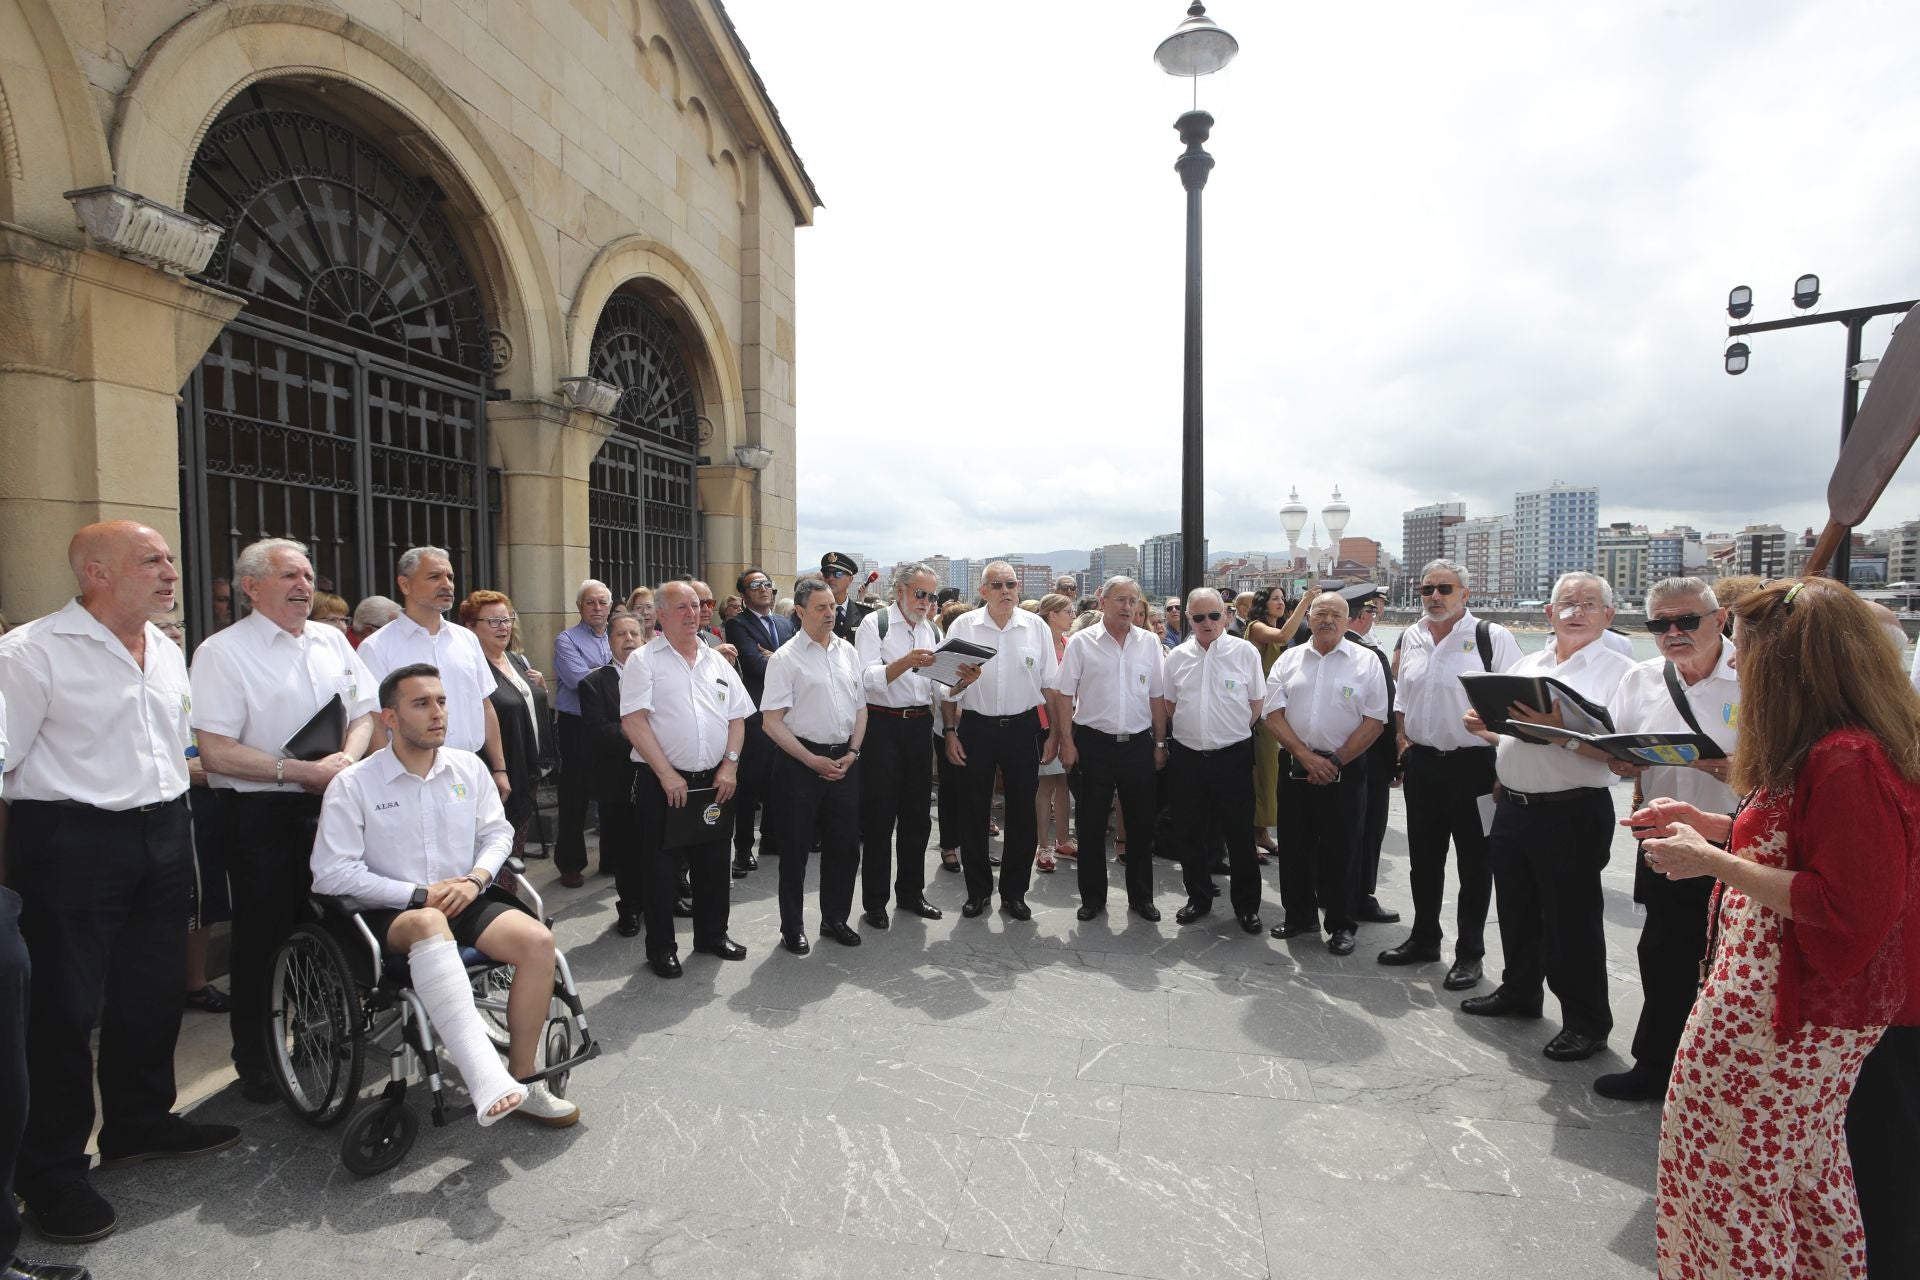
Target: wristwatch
column 733, row 757
column 952, row 728
column 419, row 898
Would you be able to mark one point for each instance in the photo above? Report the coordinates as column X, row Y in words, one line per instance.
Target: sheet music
column 951, row 656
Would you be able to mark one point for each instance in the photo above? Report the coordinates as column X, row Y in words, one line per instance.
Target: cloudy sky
column 1452, row 250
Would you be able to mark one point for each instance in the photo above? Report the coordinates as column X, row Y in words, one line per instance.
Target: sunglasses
column 1685, row 622
column 706, row 604
column 1002, row 586
column 1208, row 617
column 923, row 595
column 1444, row 588
column 764, row 585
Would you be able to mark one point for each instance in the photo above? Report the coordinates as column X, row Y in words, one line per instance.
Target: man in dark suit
column 756, row 632
column 1383, row 763
column 611, row 775
column 840, row 571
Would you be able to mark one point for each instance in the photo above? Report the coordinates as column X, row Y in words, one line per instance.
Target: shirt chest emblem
column 1029, row 662
column 1232, row 685
column 1730, row 714
column 459, row 791
column 1346, row 691
column 386, row 805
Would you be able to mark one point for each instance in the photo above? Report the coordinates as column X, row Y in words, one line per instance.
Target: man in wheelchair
column 412, row 837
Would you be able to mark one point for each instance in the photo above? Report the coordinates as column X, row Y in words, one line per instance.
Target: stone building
column 510, row 276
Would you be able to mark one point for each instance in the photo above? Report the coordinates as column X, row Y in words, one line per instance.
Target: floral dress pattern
column 1754, row 1178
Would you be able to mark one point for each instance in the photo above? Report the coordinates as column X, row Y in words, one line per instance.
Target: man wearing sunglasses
column 756, row 634
column 840, row 569
column 1695, row 668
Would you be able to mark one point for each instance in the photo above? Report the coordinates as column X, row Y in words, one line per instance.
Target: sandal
column 1043, row 861
column 949, row 860
column 210, row 998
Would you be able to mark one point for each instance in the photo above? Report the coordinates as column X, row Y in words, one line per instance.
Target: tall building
column 1761, row 549
column 1623, row 556
column 1903, row 552
column 1555, row 531
column 1673, row 553
column 1361, row 551
column 1035, row 580
column 1484, row 548
column 1423, row 532
column 1160, row 565
column 1114, row 559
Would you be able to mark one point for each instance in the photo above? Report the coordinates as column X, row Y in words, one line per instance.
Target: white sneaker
column 542, row 1107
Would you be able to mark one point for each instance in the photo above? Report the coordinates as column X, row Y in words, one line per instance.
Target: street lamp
column 1198, row 47
column 1806, row 291
column 1737, row 358
column 1739, row 302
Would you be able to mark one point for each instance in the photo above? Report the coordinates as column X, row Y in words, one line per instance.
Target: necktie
column 766, row 625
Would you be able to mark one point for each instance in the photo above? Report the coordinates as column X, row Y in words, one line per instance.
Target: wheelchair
column 334, row 997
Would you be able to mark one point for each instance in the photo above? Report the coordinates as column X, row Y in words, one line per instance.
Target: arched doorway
column 641, row 520
column 345, row 406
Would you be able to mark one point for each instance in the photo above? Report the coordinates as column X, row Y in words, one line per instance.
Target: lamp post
column 1198, row 47
column 1806, row 292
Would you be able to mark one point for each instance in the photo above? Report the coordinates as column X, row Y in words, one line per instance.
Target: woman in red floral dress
column 1817, row 946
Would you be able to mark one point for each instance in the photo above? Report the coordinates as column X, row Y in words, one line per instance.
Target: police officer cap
column 1359, row 593
column 838, row 560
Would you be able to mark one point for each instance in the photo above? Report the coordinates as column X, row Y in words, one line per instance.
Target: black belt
column 1030, row 716
column 697, row 778
column 155, row 807
column 833, row 752
column 1110, row 737
column 900, row 713
column 1217, row 751
column 1526, row 799
column 1424, row 749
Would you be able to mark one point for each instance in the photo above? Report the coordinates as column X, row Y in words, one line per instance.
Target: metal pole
column 1849, row 405
column 1193, row 167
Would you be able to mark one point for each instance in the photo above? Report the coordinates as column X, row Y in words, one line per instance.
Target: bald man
column 97, row 845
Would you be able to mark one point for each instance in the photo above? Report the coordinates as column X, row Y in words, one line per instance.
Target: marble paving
column 975, row 1098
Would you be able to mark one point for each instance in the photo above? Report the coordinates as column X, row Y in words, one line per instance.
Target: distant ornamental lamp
column 754, row 457
column 141, row 229
column 590, row 394
column 1737, row 358
column 1740, row 302
column 1806, row 291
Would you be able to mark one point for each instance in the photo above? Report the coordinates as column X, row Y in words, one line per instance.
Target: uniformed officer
column 606, row 743
column 1446, row 770
column 1383, row 763
column 1690, row 688
column 1326, row 701
column 684, row 711
column 1552, row 830
column 413, row 836
column 993, row 726
column 1215, row 691
column 255, row 686
column 896, row 787
column 99, row 853
column 815, row 714
column 840, row 571
column 1105, row 700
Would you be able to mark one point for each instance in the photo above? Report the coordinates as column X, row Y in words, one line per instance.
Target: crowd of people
column 391, row 755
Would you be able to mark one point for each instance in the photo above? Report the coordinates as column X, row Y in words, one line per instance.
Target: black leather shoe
column 21, row 1269
column 175, row 1139
column 741, row 873
column 1017, row 908
column 796, row 943
column 1498, row 1004
column 1213, row 890
column 743, row 864
column 1410, row 952
column 1465, row 974
column 75, row 1216
column 1251, row 922
column 1145, row 910
column 683, row 908
column 1088, row 911
column 667, row 966
column 1571, row 1046
column 1291, row 929
column 1341, row 943
column 1192, row 911
column 726, row 948
column 1633, row 1085
column 877, row 918
column 924, row 909
column 1371, row 912
column 258, row 1086
column 975, row 906
column 627, row 924
column 841, row 932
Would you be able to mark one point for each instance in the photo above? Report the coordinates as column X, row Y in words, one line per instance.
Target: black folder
column 1674, row 749
column 321, row 736
column 702, row 820
column 1492, row 692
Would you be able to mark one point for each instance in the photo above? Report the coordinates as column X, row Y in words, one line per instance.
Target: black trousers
column 1382, row 767
column 1009, row 745
column 1883, row 1135
column 952, row 799
column 757, row 758
column 269, row 844
column 896, row 798
column 576, row 788
column 15, row 977
column 1547, row 860
column 1212, row 794
column 807, row 803
column 104, row 904
column 1106, row 768
column 1443, row 790
column 1673, row 939
column 620, row 838
column 1319, row 837
column 660, row 869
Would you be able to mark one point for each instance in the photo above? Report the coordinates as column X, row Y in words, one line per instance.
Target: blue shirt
column 577, row 651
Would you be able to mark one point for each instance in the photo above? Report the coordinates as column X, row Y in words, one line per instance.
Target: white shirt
column 259, row 684
column 1914, row 675
column 1112, row 684
column 688, row 704
column 1327, row 695
column 85, row 722
column 464, row 671
column 1643, row 704
column 1430, row 695
column 1620, row 644
column 1014, row 680
column 1216, row 692
column 912, row 689
column 818, row 686
column 384, row 830
column 1594, row 672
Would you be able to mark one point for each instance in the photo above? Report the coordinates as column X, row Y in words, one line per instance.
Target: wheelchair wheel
column 378, row 1137
column 314, row 1028
column 490, row 997
column 557, row 1040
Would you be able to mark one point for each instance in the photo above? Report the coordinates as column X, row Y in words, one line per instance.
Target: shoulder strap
column 1483, row 638
column 882, row 614
column 1680, row 699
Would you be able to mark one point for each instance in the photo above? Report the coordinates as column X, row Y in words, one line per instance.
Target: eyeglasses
column 1685, row 622
column 1444, row 588
column 1568, row 607
column 1005, row 585
column 834, row 573
column 496, row 622
column 1208, row 617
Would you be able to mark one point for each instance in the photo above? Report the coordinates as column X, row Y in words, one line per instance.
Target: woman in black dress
column 519, row 701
